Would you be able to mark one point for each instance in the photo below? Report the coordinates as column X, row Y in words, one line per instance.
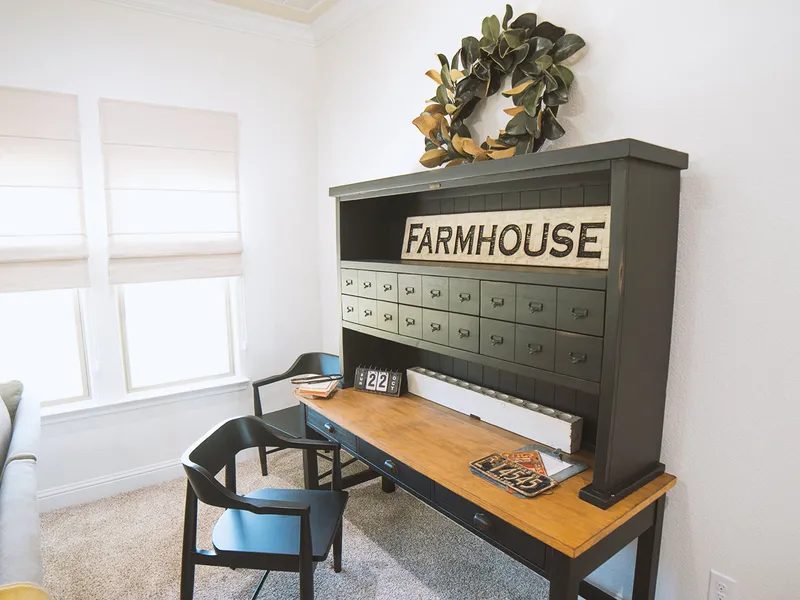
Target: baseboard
column 108, row 485
column 118, row 483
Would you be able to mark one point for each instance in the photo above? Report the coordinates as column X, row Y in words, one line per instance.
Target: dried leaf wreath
column 528, row 51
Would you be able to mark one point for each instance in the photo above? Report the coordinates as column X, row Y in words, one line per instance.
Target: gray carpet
column 395, row 547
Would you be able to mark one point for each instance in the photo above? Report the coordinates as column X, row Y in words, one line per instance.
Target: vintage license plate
column 512, row 475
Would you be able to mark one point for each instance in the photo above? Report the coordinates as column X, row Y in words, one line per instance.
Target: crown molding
column 224, row 16
column 340, row 16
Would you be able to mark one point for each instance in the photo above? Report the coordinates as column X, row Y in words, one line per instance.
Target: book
column 323, row 389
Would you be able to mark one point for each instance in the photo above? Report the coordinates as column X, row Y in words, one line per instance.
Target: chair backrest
column 316, row 362
column 218, row 448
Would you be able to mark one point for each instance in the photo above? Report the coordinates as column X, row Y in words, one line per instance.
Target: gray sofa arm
column 27, row 431
column 20, row 543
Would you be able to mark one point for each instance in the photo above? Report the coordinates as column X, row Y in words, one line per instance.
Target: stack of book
column 319, row 389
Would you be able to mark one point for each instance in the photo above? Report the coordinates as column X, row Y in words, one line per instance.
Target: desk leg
column 648, row 551
column 310, row 467
column 564, row 581
column 387, row 485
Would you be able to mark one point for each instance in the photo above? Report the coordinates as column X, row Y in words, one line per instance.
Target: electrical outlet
column 721, row 587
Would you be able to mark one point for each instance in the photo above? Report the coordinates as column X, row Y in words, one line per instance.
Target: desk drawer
column 579, row 355
column 367, row 284
column 498, row 300
column 410, row 322
column 435, row 326
column 464, row 332
column 367, row 312
column 435, row 292
column 465, row 296
column 489, row 526
column 350, row 282
column 387, row 287
column 535, row 347
column 387, row 316
column 350, row 308
column 396, row 470
column 330, row 429
column 497, row 339
column 409, row 289
column 536, row 305
column 581, row 311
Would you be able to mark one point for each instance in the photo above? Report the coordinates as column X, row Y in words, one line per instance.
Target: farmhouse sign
column 575, row 237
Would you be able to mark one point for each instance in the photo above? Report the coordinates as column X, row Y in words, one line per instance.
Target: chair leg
column 262, row 457
column 189, row 544
column 337, row 549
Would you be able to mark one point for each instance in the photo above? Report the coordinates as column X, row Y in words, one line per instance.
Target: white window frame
column 232, row 301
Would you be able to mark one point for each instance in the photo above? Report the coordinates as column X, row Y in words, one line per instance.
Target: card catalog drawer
column 435, row 326
column 464, row 331
column 350, row 282
column 535, row 347
column 367, row 312
column 330, row 429
column 536, row 305
column 410, row 321
column 489, row 526
column 366, row 284
column 401, row 473
column 409, row 289
column 465, row 296
column 387, row 287
column 581, row 311
column 497, row 339
column 350, row 308
column 498, row 300
column 579, row 355
column 435, row 292
column 387, row 316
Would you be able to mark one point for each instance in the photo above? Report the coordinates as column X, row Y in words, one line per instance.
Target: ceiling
column 300, row 11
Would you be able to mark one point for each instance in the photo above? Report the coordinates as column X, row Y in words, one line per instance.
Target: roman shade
column 171, row 192
column 42, row 235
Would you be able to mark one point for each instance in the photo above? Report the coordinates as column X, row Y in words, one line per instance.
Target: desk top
column 439, row 443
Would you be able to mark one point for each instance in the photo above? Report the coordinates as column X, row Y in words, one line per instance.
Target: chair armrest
column 306, row 444
column 272, row 379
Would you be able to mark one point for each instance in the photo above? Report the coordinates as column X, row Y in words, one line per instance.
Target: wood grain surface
column 440, row 443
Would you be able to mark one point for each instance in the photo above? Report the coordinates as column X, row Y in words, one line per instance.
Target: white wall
column 97, row 50
column 715, row 79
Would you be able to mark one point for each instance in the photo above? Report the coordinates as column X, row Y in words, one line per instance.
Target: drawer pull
column 577, row 358
column 496, row 339
column 390, row 466
column 436, row 293
column 387, row 287
column 410, row 321
column 367, row 284
column 367, row 312
column 482, row 522
column 387, row 317
column 464, row 297
column 534, row 348
column 463, row 333
column 329, row 428
column 349, row 309
column 409, row 290
column 348, row 282
column 498, row 302
column 580, row 313
column 436, row 327
column 535, row 307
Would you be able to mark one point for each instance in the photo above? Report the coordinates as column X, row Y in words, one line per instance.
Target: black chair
column 290, row 421
column 270, row 529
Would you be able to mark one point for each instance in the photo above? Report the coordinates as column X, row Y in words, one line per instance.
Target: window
column 174, row 238
column 176, row 332
column 43, row 247
column 42, row 344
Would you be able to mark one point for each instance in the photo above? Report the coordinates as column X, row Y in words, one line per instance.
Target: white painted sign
column 575, row 237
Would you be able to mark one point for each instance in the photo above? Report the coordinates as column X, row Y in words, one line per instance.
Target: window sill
column 81, row 409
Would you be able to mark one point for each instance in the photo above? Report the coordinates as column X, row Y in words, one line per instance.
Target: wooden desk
column 426, row 449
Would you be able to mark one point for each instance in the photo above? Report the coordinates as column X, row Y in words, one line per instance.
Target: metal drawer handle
column 580, row 313
column 482, row 522
column 535, row 307
column 498, row 302
column 349, row 309
column 409, row 290
column 367, row 284
column 463, row 333
column 464, row 297
column 367, row 312
column 436, row 293
column 577, row 358
column 410, row 321
column 387, row 316
column 496, row 339
column 329, row 428
column 387, row 287
column 390, row 466
column 348, row 282
column 436, row 327
column 534, row 348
